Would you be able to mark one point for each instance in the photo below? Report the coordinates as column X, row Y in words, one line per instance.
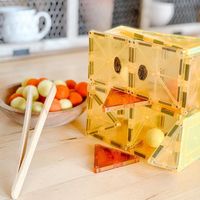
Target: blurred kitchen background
column 72, row 19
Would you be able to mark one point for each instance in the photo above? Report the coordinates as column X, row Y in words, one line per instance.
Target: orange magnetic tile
column 117, row 98
column 106, row 158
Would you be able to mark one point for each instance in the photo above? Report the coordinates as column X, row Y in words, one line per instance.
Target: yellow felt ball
column 154, row 137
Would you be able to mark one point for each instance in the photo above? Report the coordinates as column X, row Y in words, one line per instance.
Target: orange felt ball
column 75, row 98
column 33, row 81
column 55, row 106
column 62, row 92
column 13, row 96
column 71, row 84
column 81, row 88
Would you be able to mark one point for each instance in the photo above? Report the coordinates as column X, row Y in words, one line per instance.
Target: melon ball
column 37, row 106
column 44, row 87
column 65, row 104
column 19, row 90
column 34, row 92
column 18, row 103
column 60, row 82
column 154, row 137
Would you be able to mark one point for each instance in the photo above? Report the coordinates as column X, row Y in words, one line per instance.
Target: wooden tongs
column 27, row 148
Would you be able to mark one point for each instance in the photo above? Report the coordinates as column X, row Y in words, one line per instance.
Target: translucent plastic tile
column 168, row 153
column 190, row 143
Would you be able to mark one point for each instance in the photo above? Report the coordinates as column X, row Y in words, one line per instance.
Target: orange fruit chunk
column 72, row 90
column 81, row 88
column 33, row 81
column 62, row 92
column 55, row 106
column 75, row 98
column 71, row 84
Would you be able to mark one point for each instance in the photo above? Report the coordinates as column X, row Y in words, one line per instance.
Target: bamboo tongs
column 26, row 148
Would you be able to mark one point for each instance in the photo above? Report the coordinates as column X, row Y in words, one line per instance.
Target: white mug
column 21, row 24
column 97, row 14
column 161, row 13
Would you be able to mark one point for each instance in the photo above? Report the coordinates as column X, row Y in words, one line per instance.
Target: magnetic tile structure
column 140, row 80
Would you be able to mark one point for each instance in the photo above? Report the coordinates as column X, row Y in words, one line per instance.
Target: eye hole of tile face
column 117, row 65
column 142, row 72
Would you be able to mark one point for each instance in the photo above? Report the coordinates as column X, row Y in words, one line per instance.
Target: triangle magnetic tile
column 106, row 158
column 168, row 153
column 118, row 100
